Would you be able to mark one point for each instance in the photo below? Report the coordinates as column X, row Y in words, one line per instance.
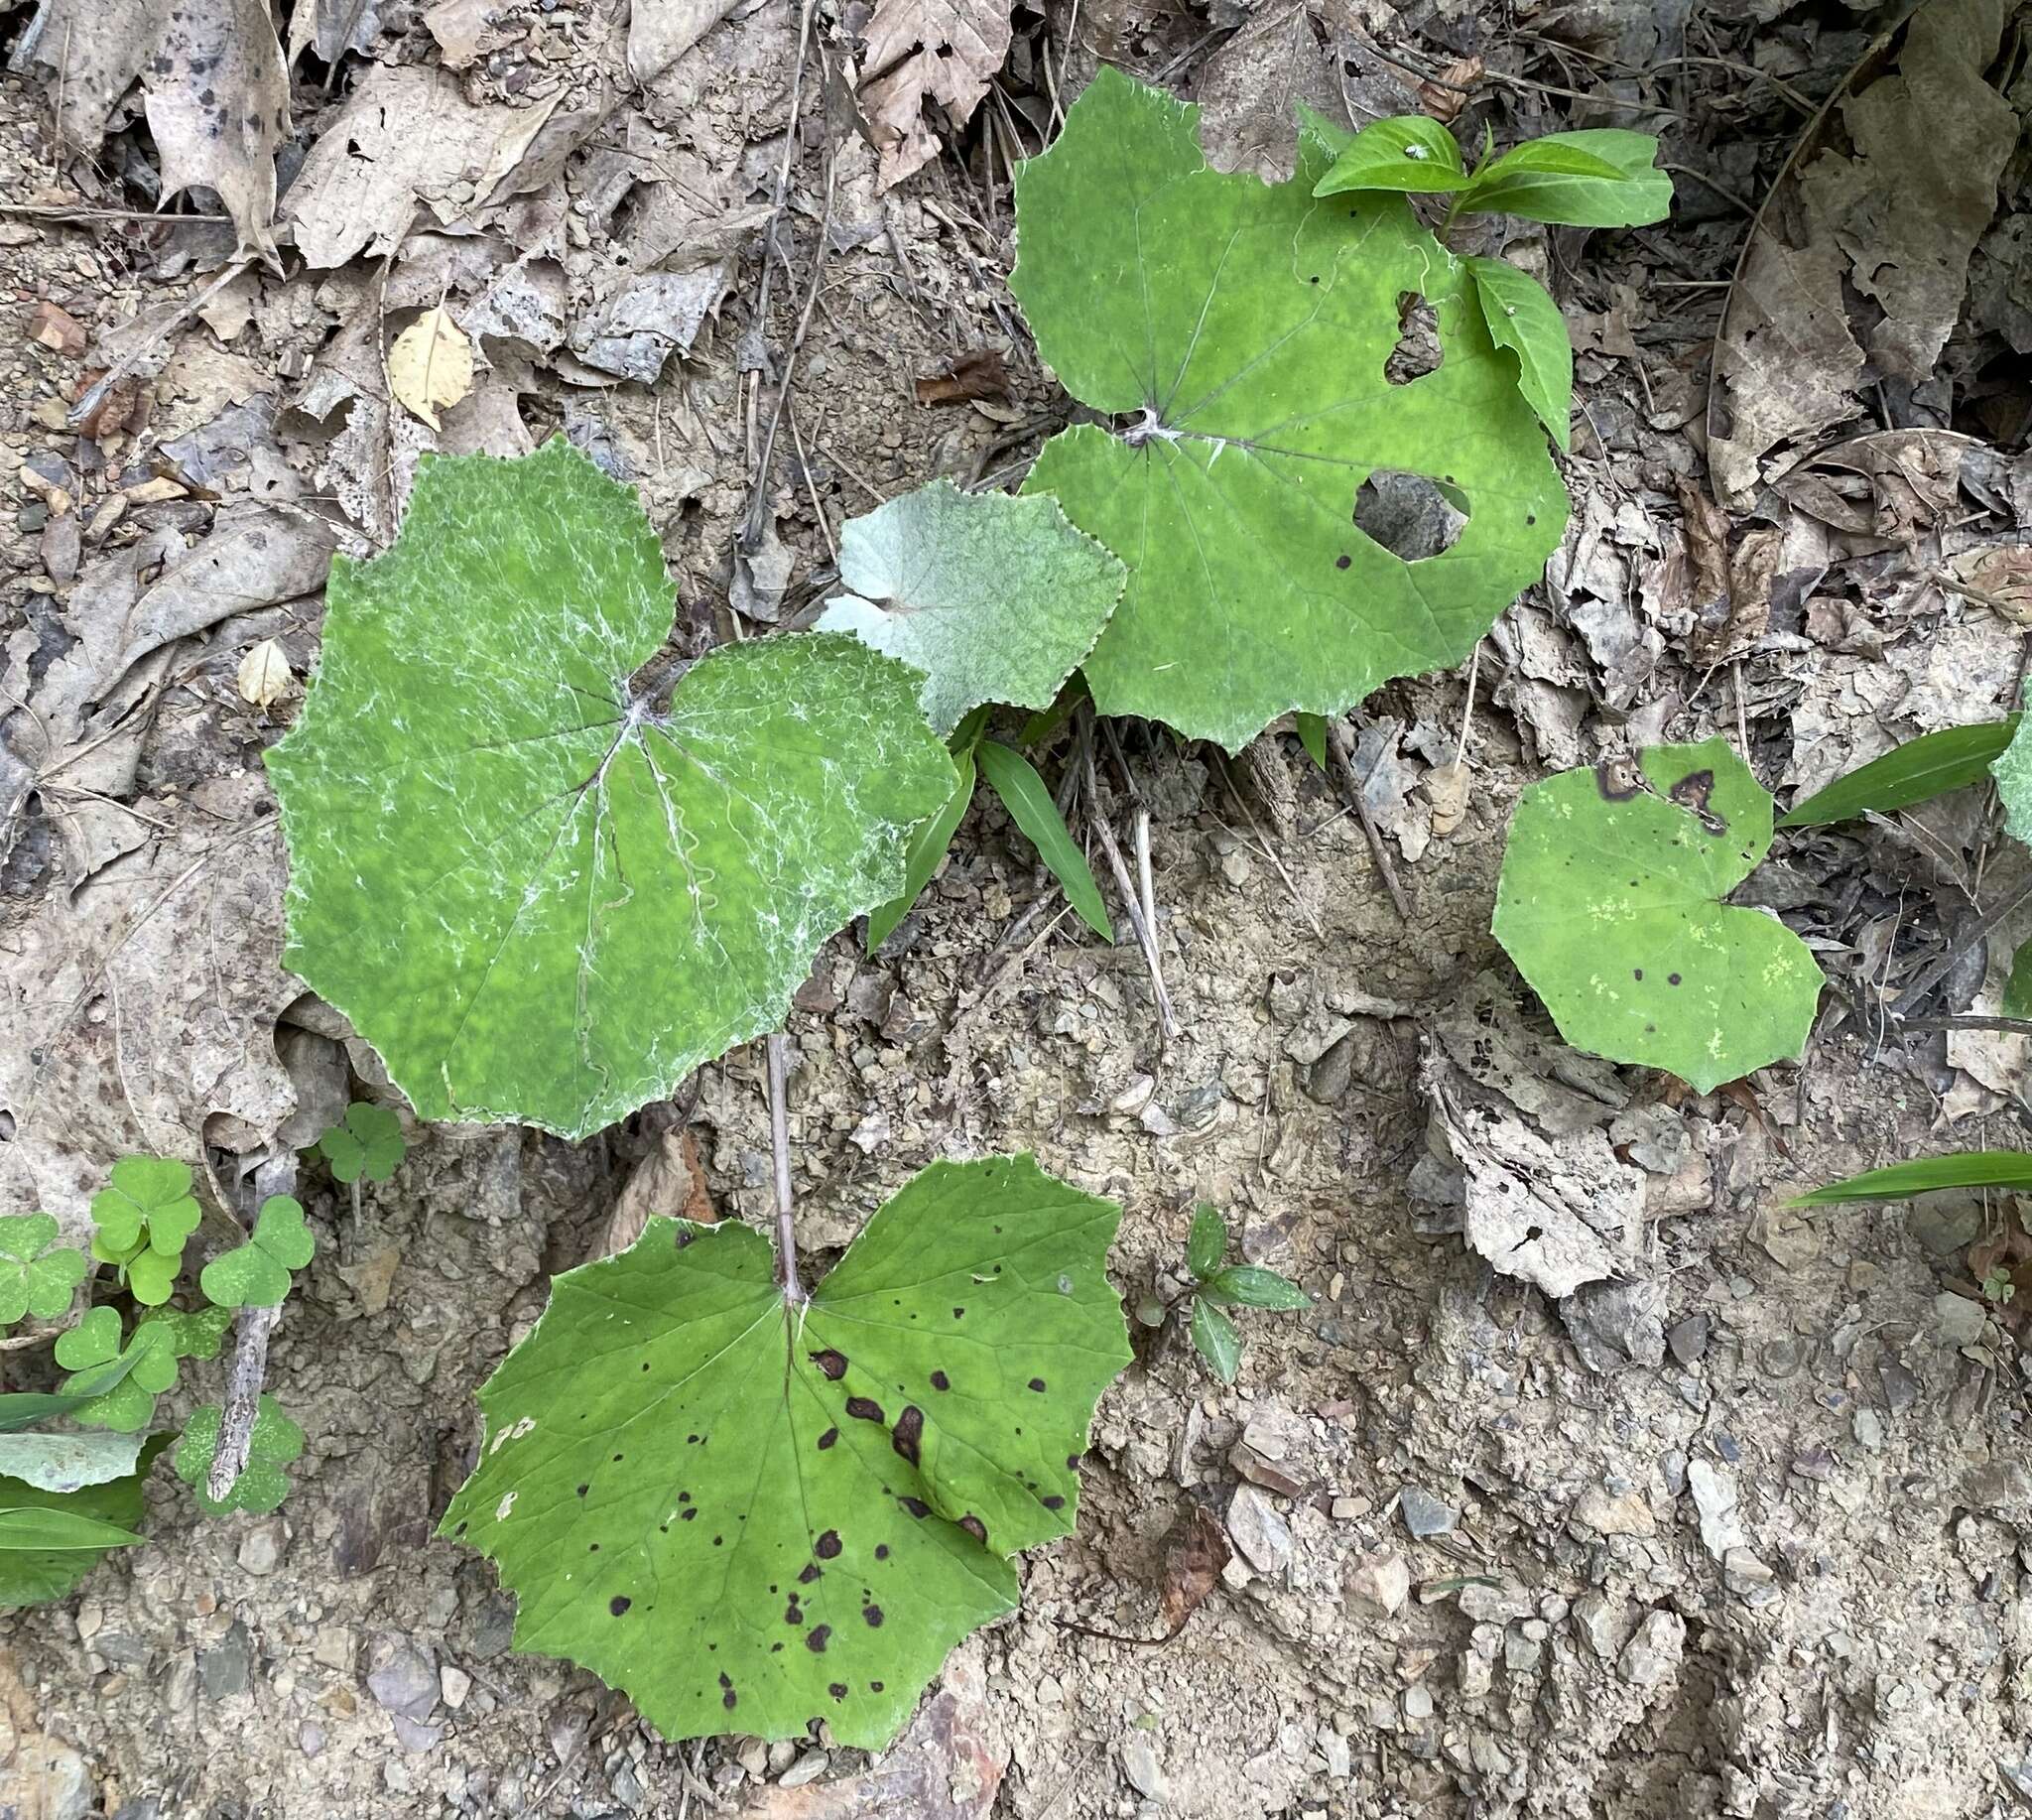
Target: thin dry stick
column 244, row 1378
column 1468, row 713
column 1263, row 846
column 1341, row 749
column 779, row 1150
column 1916, row 992
column 95, row 393
column 1168, row 1025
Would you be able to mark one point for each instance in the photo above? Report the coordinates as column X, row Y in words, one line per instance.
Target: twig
column 1468, row 713
column 1168, row 1025
column 244, row 1378
column 1341, row 749
column 1915, row 993
column 779, row 1150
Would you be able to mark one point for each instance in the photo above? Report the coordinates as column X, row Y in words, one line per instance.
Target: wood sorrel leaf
column 1241, row 331
column 995, row 599
column 365, row 1144
column 539, row 893
column 1611, row 905
column 264, row 1482
column 748, row 1515
column 37, row 1275
column 257, row 1275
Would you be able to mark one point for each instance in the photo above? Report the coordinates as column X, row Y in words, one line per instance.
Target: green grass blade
column 1920, row 769
column 43, row 1528
column 1015, row 780
column 1970, row 1169
column 927, row 848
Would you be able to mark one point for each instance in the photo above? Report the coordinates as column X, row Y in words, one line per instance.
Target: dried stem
column 244, row 1378
column 779, row 1150
column 1341, row 749
column 1168, row 1025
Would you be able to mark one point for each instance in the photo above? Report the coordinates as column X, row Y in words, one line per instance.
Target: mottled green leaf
column 21, row 1410
column 1014, row 779
column 541, row 893
column 2012, row 1169
column 1217, row 1340
column 264, row 1482
column 257, row 1275
column 1311, row 734
column 2017, row 999
column 35, row 1576
column 749, row 1516
column 1252, row 1286
column 1407, row 151
column 67, row 1462
column 364, row 1145
column 927, row 848
column 1602, row 177
column 1611, row 903
column 1206, row 1242
column 1240, row 332
column 995, row 599
column 2012, row 770
column 1521, row 315
column 37, row 1275
column 1922, row 768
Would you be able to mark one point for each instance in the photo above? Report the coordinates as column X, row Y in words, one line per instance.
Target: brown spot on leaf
column 1037, row 1383
column 916, row 1506
column 837, row 1690
column 817, row 1638
column 617, row 1605
column 872, row 1616
column 828, row 1438
column 828, row 1545
column 832, row 1362
column 864, row 1408
column 910, row 1428
column 939, row 1382
column 974, row 1526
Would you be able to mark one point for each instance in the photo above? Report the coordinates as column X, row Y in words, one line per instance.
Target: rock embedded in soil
column 1654, row 1651
column 1424, row 1514
column 1144, row 1771
column 1376, row 1585
column 1262, row 1536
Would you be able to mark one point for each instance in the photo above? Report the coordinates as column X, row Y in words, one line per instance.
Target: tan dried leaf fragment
column 430, row 367
column 922, row 52
column 264, row 675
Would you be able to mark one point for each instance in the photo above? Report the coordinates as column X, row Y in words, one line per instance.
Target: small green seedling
column 365, row 1146
column 257, row 1275
column 264, row 1482
column 38, row 1276
column 143, row 1216
column 1218, row 1285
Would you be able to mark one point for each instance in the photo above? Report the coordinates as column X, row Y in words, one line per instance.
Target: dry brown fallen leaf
column 430, row 367
column 1196, row 1553
column 921, row 51
column 980, row 374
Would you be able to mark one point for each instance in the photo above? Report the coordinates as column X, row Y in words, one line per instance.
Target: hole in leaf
column 1418, row 350
column 1409, row 515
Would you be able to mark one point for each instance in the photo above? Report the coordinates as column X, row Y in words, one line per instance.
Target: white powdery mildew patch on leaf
column 538, row 897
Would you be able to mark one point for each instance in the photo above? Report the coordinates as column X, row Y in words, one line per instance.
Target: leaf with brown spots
column 866, row 1462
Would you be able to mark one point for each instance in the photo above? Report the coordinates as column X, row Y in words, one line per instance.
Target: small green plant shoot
column 751, row 1509
column 1218, row 1285
column 38, row 1276
column 1238, row 333
column 1611, row 903
column 263, row 1481
column 144, row 1216
column 365, row 1146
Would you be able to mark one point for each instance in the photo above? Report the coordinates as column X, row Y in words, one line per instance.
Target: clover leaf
column 367, row 1143
column 541, row 892
column 143, row 1219
column 96, row 1341
column 750, row 1515
column 1240, row 334
column 257, row 1275
column 1612, row 905
column 36, row 1276
column 264, row 1482
column 994, row 599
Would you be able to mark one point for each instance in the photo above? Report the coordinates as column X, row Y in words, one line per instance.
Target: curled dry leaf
column 264, row 676
column 922, row 52
column 1196, row 1551
column 430, row 367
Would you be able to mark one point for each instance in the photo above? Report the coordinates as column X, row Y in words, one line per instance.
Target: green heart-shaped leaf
column 1611, row 903
column 1240, row 335
column 749, row 1516
column 264, row 1482
column 365, row 1146
column 541, row 895
column 147, row 1201
column 149, row 1357
column 36, row 1276
column 995, row 599
column 257, row 1275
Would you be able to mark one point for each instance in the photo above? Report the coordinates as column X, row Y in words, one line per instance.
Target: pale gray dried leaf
column 1251, row 87
column 635, row 330
column 219, row 106
column 662, row 31
column 1545, row 1197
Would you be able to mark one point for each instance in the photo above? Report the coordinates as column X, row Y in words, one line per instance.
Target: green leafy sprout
column 365, row 1146
column 143, row 1217
column 38, row 1276
column 1218, row 1286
